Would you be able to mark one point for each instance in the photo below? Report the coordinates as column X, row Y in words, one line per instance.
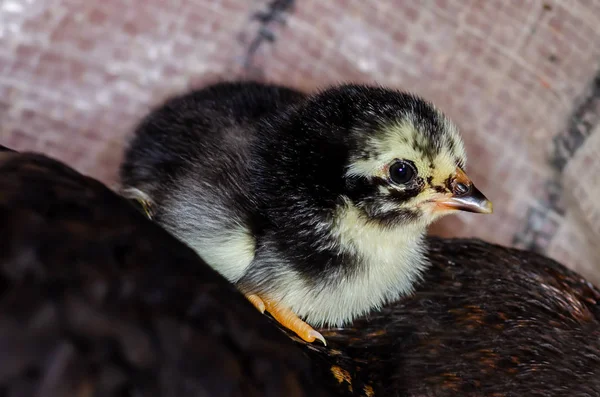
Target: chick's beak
column 465, row 196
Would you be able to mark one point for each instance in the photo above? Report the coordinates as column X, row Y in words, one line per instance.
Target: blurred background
column 520, row 78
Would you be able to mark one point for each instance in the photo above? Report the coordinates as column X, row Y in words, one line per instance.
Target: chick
column 314, row 206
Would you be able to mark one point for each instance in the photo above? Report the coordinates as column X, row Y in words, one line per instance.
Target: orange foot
column 287, row 318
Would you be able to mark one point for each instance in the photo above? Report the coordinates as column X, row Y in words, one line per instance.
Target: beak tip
column 488, row 208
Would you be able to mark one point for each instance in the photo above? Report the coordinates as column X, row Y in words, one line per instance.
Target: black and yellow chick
column 314, row 206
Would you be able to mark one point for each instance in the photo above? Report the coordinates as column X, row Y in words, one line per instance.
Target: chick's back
column 191, row 158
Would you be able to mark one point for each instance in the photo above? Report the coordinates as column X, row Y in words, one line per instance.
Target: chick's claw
column 257, row 302
column 286, row 318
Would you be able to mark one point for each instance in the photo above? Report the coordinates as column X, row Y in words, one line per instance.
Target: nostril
column 461, row 189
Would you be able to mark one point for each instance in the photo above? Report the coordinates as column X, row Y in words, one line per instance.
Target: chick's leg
column 287, row 318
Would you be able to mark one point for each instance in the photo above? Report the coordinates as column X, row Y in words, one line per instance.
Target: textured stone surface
column 75, row 76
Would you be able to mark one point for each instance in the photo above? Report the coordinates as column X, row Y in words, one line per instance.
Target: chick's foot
column 286, row 318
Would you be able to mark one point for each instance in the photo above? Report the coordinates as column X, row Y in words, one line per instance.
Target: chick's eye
column 402, row 172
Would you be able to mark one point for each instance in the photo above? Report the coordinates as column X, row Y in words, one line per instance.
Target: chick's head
column 410, row 168
column 394, row 157
column 370, row 156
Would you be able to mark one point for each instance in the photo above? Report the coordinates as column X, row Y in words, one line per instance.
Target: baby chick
column 314, row 206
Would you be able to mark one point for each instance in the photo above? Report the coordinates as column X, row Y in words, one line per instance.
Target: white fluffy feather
column 392, row 260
